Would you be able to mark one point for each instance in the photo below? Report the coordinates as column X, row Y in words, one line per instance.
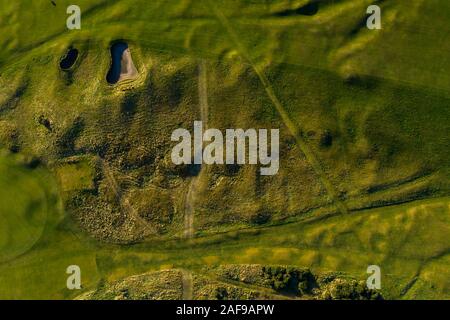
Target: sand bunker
column 122, row 65
column 69, row 59
column 127, row 70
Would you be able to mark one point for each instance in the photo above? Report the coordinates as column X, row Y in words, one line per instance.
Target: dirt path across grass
column 189, row 207
column 187, row 284
column 124, row 204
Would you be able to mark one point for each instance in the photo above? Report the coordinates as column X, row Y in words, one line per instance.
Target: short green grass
column 76, row 175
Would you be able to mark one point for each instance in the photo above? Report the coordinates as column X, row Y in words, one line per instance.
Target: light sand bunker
column 122, row 65
column 128, row 70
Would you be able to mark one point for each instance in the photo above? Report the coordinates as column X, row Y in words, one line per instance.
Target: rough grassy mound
column 293, row 282
column 235, row 282
column 163, row 285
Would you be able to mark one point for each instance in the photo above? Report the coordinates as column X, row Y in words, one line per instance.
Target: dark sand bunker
column 69, row 59
column 308, row 9
column 122, row 66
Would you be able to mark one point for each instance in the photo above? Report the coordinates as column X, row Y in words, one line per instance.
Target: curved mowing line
column 295, row 131
column 23, row 225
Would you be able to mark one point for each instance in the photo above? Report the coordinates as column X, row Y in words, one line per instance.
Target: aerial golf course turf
column 85, row 172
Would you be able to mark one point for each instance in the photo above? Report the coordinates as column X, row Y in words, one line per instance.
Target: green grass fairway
column 24, row 208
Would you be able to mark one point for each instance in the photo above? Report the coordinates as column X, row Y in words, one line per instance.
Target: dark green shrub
column 221, row 293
